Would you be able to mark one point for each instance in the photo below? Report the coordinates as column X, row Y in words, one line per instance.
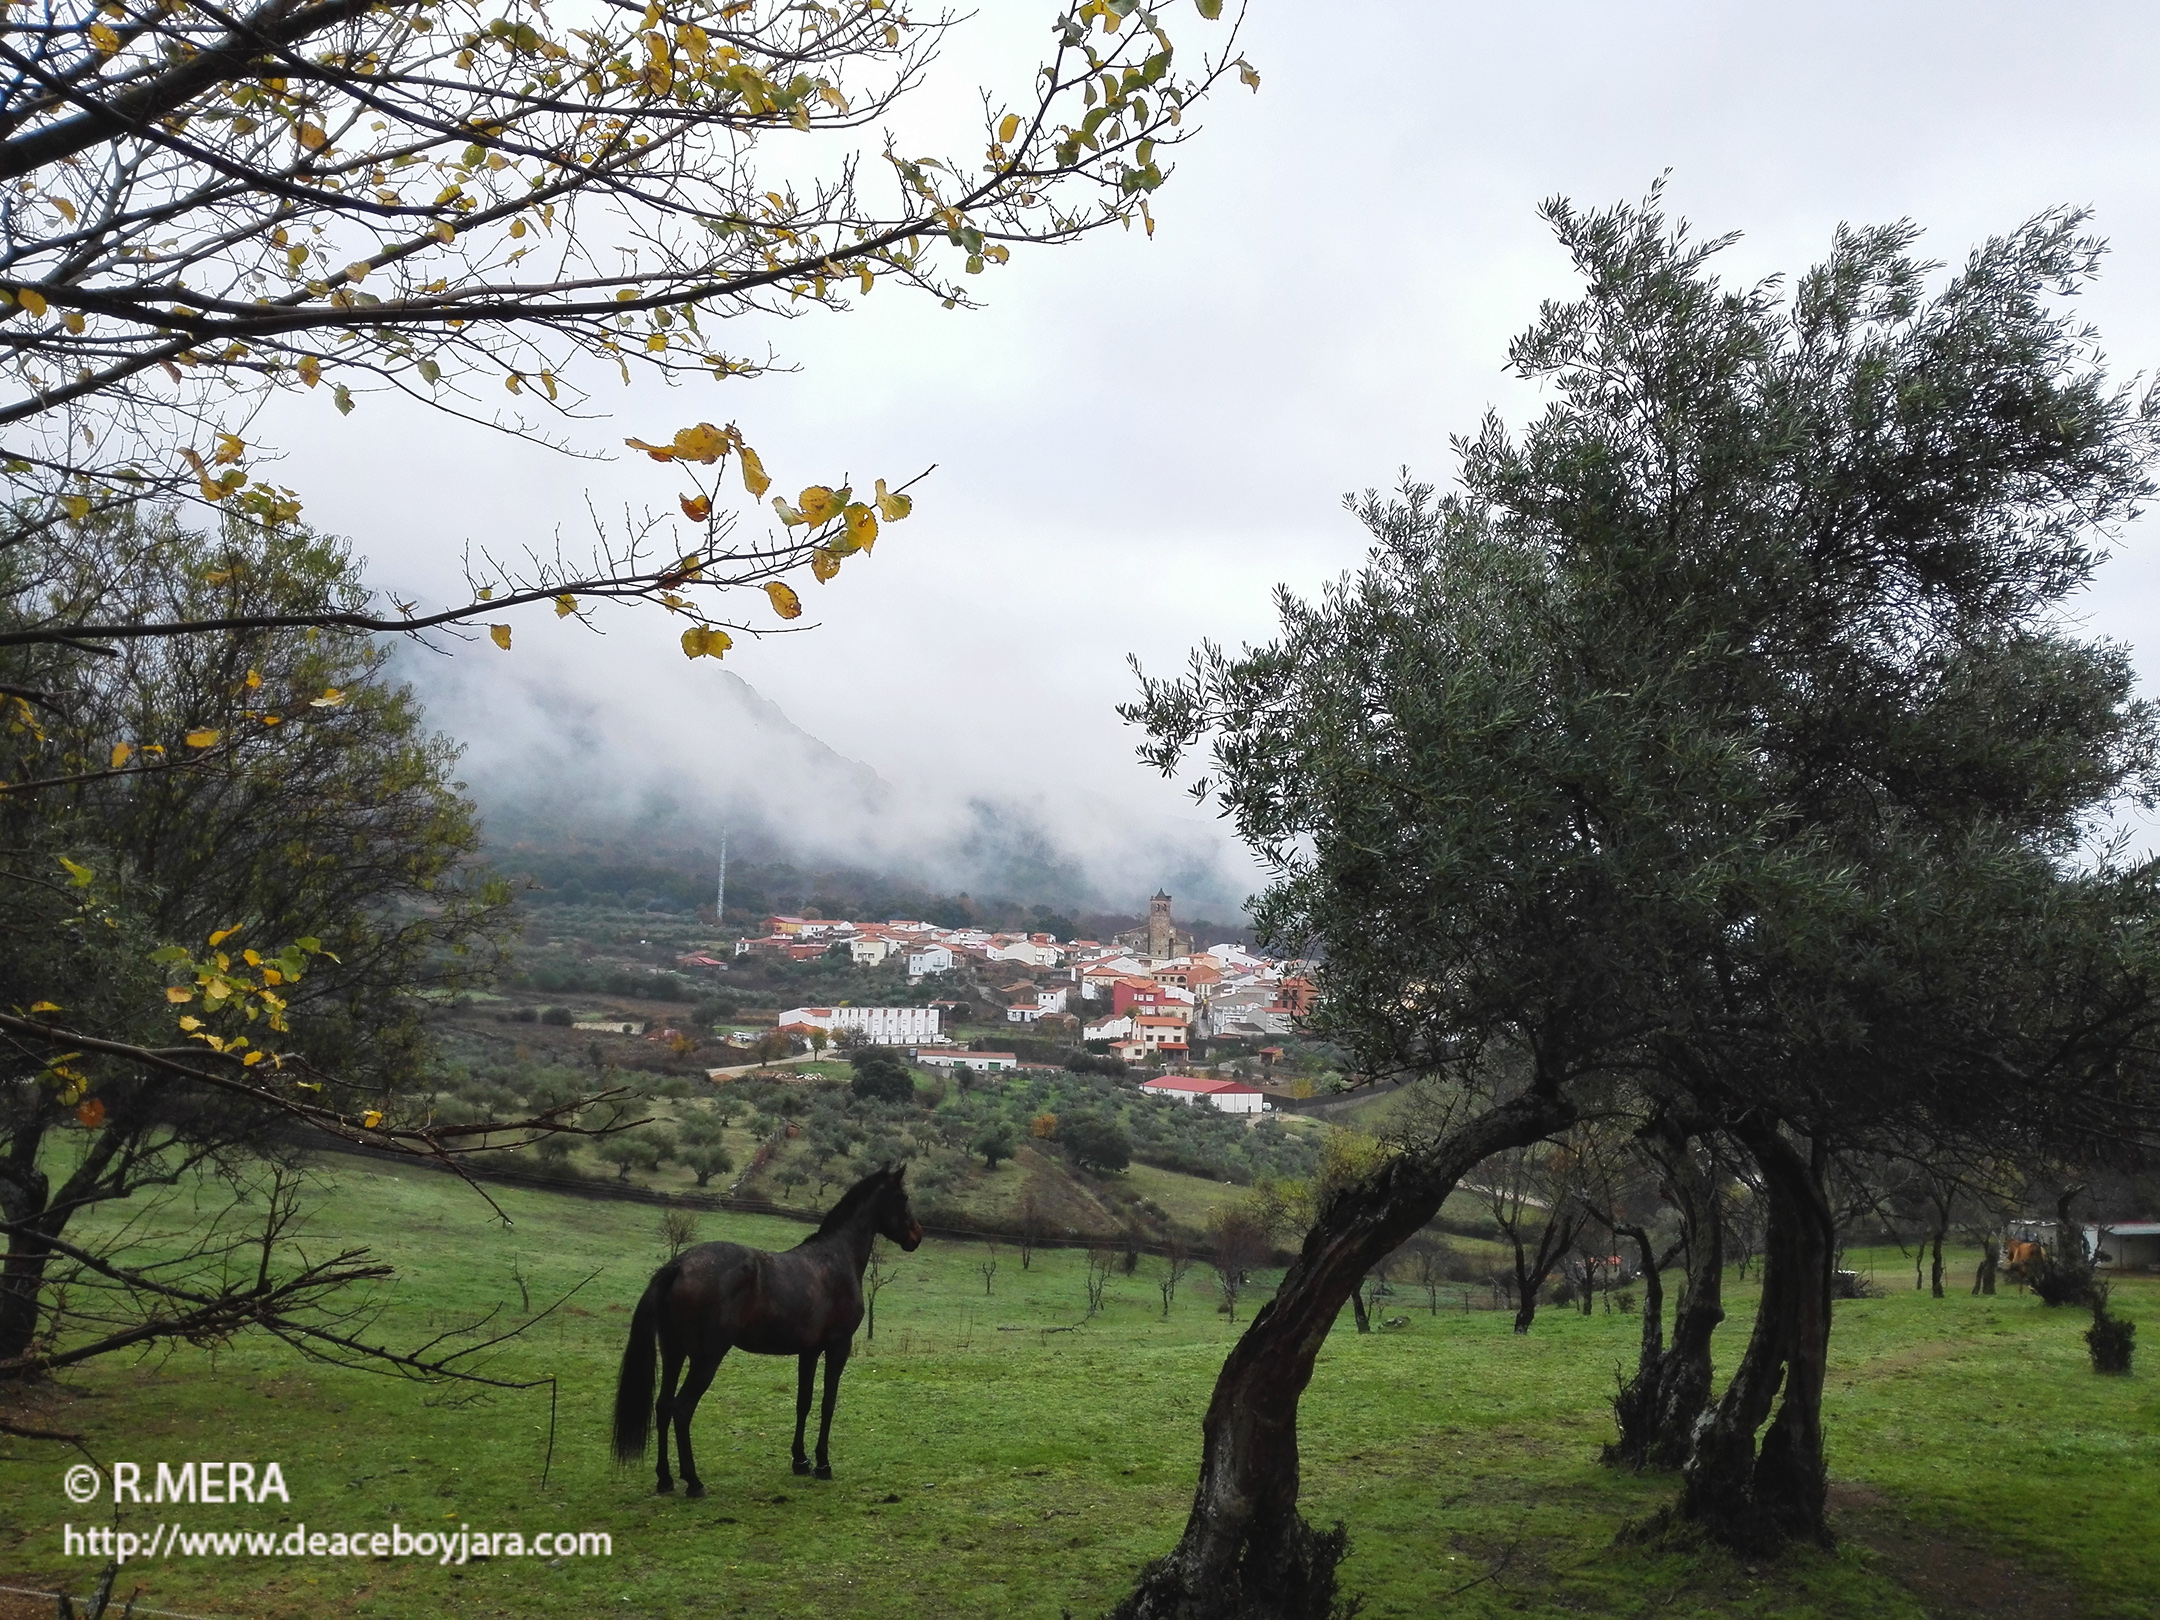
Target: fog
column 1138, row 439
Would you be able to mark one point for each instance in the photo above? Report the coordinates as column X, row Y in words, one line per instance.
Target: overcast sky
column 1138, row 439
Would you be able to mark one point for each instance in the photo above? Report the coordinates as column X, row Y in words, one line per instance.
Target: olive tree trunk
column 1246, row 1551
column 1757, row 1498
column 1658, row 1410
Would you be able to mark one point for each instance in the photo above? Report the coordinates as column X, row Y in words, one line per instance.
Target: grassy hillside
column 991, row 1464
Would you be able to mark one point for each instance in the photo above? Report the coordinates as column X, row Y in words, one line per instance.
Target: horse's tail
column 634, row 1386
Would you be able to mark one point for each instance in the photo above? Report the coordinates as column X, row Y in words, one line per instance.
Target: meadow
column 998, row 1455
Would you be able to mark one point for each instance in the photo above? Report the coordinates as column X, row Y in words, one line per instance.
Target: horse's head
column 895, row 1221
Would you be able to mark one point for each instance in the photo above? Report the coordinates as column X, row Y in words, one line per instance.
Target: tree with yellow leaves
column 487, row 211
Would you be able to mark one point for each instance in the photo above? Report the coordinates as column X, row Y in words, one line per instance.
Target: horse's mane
column 852, row 1201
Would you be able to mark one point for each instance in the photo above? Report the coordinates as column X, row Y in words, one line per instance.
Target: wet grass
column 991, row 1464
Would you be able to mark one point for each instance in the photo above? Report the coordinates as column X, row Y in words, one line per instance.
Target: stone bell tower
column 1161, row 937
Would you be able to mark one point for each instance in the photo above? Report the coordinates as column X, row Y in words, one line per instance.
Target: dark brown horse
column 805, row 1302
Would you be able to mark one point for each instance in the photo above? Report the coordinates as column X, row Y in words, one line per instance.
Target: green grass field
column 990, row 1466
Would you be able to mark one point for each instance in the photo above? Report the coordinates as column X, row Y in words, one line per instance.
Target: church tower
column 1160, row 935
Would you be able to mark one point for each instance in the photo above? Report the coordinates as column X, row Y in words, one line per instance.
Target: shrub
column 1095, row 1143
column 881, row 1075
column 678, row 1230
column 995, row 1141
column 560, row 1017
column 1083, row 1063
column 712, row 1009
column 2060, row 1282
column 2111, row 1339
column 705, row 1160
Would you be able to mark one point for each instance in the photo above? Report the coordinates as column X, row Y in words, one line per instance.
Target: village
column 1145, row 999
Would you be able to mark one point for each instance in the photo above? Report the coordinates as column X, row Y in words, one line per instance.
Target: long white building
column 879, row 1026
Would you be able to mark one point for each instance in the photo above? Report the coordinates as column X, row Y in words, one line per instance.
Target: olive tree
column 1713, row 746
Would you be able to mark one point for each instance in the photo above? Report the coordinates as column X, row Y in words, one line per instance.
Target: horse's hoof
column 802, row 1465
column 694, row 1491
column 824, row 1470
column 665, row 1488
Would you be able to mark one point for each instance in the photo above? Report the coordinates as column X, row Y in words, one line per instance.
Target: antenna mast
column 720, row 900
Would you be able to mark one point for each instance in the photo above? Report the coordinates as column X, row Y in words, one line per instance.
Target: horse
column 2024, row 1259
column 804, row 1302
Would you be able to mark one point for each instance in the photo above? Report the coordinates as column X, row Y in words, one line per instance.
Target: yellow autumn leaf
column 704, row 443
column 823, row 564
column 784, row 600
column 312, row 136
column 697, row 508
column 310, row 369
column 1008, row 128
column 332, row 698
column 223, row 934
column 357, row 271
column 205, row 737
column 121, row 754
column 817, row 503
column 74, row 322
column 178, row 994
column 76, row 506
column 869, row 276
column 251, row 1060
column 191, row 1023
column 371, row 1119
column 229, row 449
column 753, row 474
column 565, row 605
column 44, row 1006
column 788, row 514
column 659, row 452
column 500, row 635
column 893, row 507
column 31, row 300
column 702, row 641
column 254, row 679
column 104, row 38
column 861, row 525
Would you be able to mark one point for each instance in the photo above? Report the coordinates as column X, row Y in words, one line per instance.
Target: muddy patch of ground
column 1954, row 1574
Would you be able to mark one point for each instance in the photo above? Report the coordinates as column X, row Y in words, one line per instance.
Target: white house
column 1231, row 1096
column 1110, row 1029
column 1035, row 953
column 878, row 1026
column 1160, row 1034
column 1097, row 978
column 1022, row 1013
column 1051, row 1001
column 929, row 959
column 870, row 952
column 980, row 1062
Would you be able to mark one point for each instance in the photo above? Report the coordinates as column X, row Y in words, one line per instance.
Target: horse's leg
column 805, row 1377
column 663, row 1408
column 695, row 1380
column 835, row 1360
